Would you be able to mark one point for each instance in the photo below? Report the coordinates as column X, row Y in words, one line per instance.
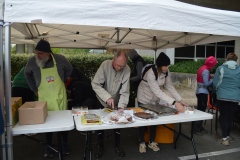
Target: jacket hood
column 231, row 64
column 210, row 62
column 132, row 54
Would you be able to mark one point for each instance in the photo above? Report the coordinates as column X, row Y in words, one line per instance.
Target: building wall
column 231, row 5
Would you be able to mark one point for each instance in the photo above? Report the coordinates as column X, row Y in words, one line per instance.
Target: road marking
column 210, row 154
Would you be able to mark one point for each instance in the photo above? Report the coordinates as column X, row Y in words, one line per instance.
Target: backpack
column 147, row 67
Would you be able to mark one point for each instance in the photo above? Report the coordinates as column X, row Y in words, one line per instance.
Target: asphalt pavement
column 208, row 147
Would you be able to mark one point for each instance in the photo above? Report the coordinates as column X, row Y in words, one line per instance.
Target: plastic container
column 163, row 134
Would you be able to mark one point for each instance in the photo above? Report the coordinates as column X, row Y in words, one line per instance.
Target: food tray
column 155, row 116
column 159, row 109
column 107, row 119
column 85, row 117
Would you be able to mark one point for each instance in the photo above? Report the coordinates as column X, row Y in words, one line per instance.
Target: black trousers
column 227, row 110
column 100, row 133
column 142, row 131
column 64, row 137
column 201, row 105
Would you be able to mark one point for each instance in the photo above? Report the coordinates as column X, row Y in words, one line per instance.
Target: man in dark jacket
column 139, row 63
column 80, row 92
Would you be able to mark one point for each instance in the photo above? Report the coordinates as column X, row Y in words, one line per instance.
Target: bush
column 191, row 66
column 89, row 63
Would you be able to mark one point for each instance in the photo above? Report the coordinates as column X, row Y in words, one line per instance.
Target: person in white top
column 150, row 91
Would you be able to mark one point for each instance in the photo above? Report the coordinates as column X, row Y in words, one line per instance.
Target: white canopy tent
column 118, row 23
column 110, row 24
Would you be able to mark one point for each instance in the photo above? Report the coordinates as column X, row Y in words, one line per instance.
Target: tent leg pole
column 3, row 139
column 7, row 43
column 155, row 56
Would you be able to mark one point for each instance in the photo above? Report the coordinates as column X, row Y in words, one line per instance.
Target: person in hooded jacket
column 79, row 88
column 138, row 63
column 227, row 87
column 204, row 79
column 150, row 91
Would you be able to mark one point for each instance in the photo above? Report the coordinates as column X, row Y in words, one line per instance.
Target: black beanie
column 43, row 46
column 163, row 60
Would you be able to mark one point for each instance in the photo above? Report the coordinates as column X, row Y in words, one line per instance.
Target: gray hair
column 119, row 53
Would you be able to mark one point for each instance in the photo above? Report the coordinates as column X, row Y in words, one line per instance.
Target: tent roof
column 119, row 23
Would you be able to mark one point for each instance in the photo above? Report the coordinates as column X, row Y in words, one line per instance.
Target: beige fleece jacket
column 151, row 91
column 108, row 83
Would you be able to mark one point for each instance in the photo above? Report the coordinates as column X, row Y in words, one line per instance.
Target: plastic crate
column 163, row 134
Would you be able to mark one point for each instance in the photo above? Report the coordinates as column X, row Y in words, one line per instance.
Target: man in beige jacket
column 111, row 85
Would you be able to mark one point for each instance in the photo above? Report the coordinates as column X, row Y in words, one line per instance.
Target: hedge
column 89, row 63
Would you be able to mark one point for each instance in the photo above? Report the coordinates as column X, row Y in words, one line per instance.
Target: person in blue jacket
column 227, row 87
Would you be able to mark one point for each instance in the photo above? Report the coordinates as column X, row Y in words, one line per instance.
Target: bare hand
column 183, row 103
column 120, row 110
column 180, row 107
column 110, row 102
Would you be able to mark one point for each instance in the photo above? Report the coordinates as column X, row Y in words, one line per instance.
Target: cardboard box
column 163, row 134
column 33, row 113
column 16, row 102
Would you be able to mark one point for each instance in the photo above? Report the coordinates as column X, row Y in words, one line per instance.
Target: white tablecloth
column 56, row 121
column 178, row 118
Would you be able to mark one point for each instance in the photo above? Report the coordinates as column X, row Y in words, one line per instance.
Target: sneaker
column 100, row 152
column 230, row 138
column 119, row 152
column 142, row 147
column 224, row 142
column 154, row 146
column 48, row 153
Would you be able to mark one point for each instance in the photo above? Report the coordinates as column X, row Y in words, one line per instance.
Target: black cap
column 43, row 46
column 163, row 60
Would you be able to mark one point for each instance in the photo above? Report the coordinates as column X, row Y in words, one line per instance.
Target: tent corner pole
column 3, row 138
column 7, row 69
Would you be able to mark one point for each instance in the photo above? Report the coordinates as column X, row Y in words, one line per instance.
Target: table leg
column 185, row 136
column 88, row 146
column 193, row 143
column 60, row 157
column 179, row 132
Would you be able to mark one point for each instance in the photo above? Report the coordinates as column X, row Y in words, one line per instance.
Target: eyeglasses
column 39, row 53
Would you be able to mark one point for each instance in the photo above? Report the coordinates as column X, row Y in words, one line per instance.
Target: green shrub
column 89, row 63
column 191, row 66
column 17, row 62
